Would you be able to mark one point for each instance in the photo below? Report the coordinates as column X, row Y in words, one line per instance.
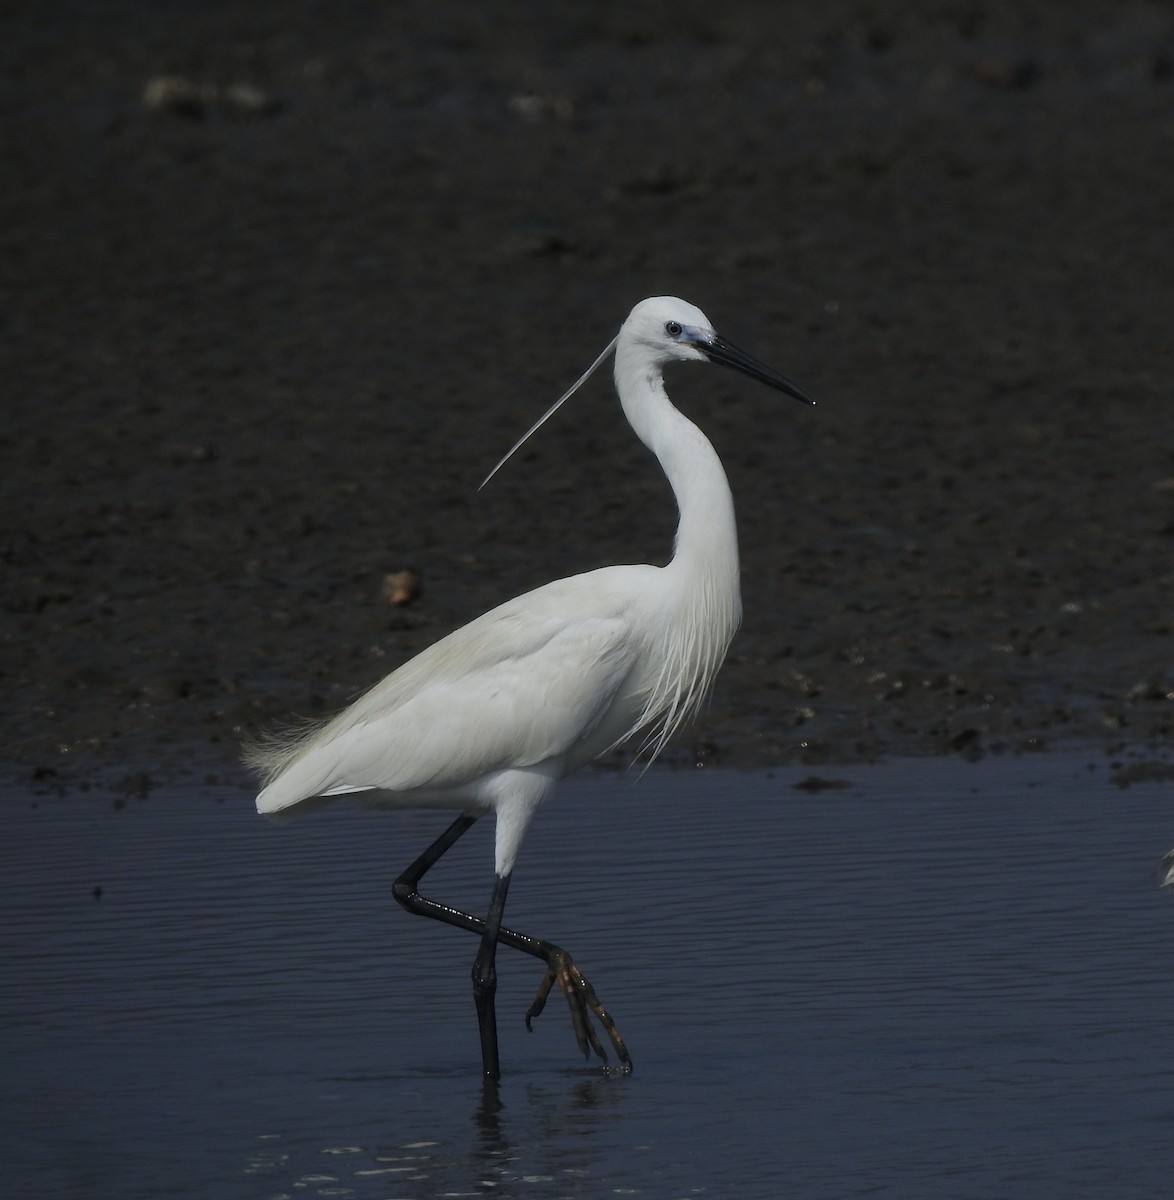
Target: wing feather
column 516, row 687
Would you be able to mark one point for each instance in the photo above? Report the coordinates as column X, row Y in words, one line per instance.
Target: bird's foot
column 583, row 1002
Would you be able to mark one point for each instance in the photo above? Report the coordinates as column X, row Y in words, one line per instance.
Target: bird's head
column 660, row 330
column 668, row 329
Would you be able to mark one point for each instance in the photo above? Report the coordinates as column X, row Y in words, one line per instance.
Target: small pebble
column 401, row 587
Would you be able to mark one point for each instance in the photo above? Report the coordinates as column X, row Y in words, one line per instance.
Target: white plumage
column 492, row 716
column 544, row 683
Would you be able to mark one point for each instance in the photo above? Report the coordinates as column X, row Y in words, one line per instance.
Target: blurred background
column 283, row 280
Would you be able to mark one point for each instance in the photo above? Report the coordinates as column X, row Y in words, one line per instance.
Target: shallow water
column 943, row 979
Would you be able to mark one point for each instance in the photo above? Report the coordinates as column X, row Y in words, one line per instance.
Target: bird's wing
column 512, row 689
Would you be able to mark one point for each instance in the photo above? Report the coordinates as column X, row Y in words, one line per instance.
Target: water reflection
column 552, row 1133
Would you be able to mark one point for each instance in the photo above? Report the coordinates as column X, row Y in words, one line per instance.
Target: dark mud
column 263, row 335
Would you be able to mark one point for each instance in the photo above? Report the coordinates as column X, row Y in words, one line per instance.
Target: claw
column 579, row 998
column 540, row 999
column 583, row 1001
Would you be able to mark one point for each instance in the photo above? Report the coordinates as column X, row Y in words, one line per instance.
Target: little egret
column 491, row 717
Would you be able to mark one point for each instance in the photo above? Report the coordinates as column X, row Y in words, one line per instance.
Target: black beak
column 720, row 351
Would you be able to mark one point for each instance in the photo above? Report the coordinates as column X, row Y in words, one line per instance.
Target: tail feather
column 269, row 751
column 271, row 755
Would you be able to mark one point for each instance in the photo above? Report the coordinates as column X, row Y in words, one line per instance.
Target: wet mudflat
column 935, row 977
column 262, row 339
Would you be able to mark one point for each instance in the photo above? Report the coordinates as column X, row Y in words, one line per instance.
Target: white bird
column 491, row 717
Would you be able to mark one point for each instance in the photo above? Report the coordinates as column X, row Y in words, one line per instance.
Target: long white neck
column 707, row 536
column 704, row 566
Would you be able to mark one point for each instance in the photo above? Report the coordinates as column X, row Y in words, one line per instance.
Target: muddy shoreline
column 261, row 345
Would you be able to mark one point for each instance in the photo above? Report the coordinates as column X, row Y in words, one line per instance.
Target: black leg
column 485, row 980
column 405, row 887
column 406, row 891
column 560, row 968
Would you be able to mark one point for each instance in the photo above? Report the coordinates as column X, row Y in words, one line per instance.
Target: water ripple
column 942, row 979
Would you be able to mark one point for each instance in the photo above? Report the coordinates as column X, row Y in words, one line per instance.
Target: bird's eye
column 672, row 328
